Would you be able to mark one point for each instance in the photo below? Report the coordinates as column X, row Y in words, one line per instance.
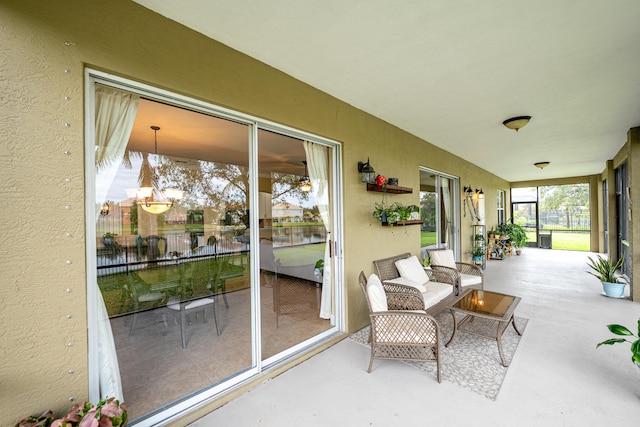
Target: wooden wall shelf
column 403, row 223
column 393, row 189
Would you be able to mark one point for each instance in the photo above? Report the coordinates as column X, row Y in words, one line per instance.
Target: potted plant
column 404, row 212
column 380, row 212
column 108, row 239
column 518, row 237
column 605, row 271
column 477, row 252
column 108, row 412
column 385, row 214
column 623, row 331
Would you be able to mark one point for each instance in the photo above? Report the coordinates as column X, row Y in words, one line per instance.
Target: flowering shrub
column 107, row 413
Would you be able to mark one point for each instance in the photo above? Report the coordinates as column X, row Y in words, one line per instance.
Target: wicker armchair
column 387, row 270
column 467, row 276
column 399, row 334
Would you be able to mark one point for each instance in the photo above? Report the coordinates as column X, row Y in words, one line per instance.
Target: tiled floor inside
column 156, row 370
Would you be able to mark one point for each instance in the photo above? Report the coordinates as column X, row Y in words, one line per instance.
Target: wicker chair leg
column 371, row 361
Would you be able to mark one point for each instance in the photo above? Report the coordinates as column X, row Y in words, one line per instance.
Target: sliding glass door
column 439, row 210
column 211, row 247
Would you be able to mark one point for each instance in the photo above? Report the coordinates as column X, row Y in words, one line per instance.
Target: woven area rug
column 470, row 361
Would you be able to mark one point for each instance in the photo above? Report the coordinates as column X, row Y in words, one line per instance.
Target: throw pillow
column 376, row 294
column 411, row 268
column 444, row 258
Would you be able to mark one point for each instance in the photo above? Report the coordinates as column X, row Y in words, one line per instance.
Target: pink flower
column 111, row 409
column 89, row 419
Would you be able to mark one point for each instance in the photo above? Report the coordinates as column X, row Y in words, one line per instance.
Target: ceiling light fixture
column 541, row 165
column 516, row 123
column 305, row 182
column 145, row 195
column 104, row 210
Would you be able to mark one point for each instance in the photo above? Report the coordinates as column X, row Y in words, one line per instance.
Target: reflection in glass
column 173, row 256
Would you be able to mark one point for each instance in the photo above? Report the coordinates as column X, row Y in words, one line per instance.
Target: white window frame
column 260, row 367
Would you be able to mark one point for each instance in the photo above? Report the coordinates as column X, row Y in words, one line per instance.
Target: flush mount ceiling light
column 541, row 165
column 516, row 123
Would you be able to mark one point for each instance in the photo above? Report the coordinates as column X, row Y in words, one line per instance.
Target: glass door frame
column 93, row 77
column 455, row 208
column 530, row 243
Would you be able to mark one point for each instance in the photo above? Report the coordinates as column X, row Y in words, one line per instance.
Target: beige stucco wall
column 44, row 351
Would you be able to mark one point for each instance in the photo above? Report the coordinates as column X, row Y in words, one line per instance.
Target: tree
column 428, row 202
column 569, row 199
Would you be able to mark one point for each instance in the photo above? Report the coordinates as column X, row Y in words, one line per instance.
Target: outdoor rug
column 470, row 361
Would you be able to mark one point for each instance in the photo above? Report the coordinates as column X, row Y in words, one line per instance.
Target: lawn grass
column 428, row 238
column 572, row 241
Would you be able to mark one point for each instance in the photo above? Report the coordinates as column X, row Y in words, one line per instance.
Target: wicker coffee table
column 488, row 305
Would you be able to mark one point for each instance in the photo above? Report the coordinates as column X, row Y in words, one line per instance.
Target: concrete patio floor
column 557, row 376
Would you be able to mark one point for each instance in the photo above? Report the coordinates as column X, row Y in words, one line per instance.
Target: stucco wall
column 45, row 48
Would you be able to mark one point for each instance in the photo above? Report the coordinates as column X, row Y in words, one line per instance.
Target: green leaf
column 635, row 349
column 611, row 341
column 619, row 330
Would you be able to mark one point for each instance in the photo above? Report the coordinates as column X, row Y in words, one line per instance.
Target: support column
column 633, row 137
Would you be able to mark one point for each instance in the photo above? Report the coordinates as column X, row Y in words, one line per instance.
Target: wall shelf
column 392, row 189
column 403, row 223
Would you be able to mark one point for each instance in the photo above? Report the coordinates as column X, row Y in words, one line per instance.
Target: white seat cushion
column 174, row 304
column 376, row 294
column 407, row 282
column 444, row 258
column 411, row 268
column 150, row 296
column 469, row 279
column 435, row 293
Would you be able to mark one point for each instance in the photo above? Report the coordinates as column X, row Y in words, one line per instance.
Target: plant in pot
column 518, row 237
column 477, row 252
column 404, row 212
column 502, row 231
column 605, row 271
column 108, row 239
column 385, row 214
column 623, row 331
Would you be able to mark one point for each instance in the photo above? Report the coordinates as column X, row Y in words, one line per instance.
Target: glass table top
column 485, row 302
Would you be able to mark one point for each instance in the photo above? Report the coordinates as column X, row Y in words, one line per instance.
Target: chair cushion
column 411, row 268
column 469, row 279
column 444, row 258
column 407, row 282
column 435, row 293
column 375, row 293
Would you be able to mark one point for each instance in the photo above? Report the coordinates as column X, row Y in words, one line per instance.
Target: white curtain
column 318, row 164
column 446, row 202
column 115, row 113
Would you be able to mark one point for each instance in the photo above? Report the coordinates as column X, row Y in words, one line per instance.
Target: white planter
column 613, row 290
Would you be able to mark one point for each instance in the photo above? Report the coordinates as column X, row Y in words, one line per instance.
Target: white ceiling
column 450, row 72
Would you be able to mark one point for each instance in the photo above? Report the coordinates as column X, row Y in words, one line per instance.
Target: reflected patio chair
column 156, row 247
column 142, row 297
column 196, row 295
column 227, row 266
